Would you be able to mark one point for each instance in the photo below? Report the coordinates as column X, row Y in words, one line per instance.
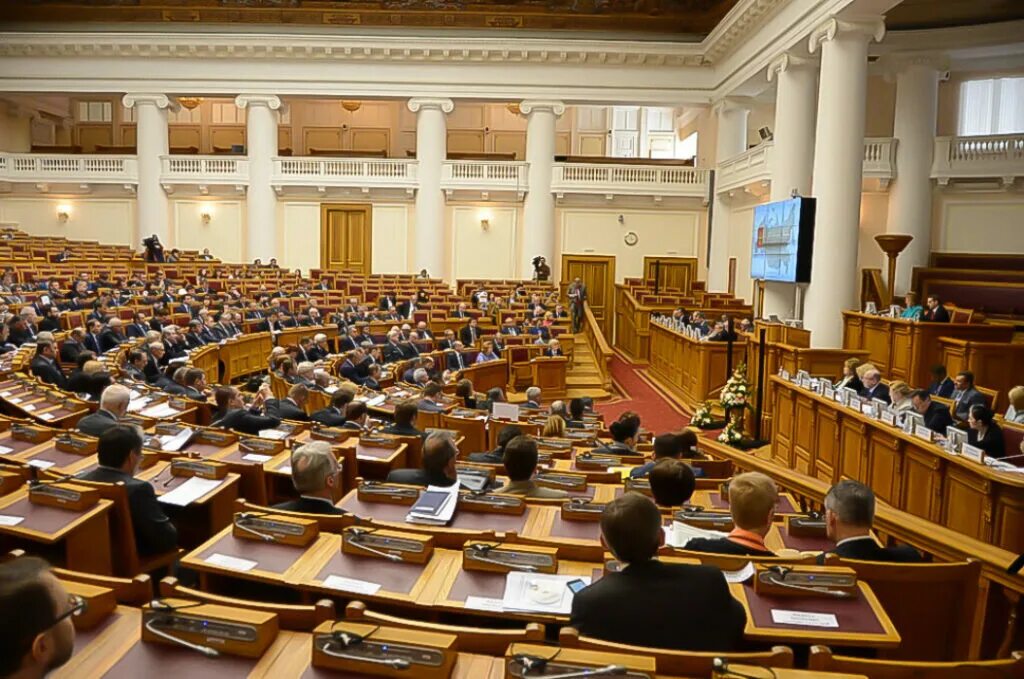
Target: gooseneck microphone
column 356, row 539
column 480, row 553
column 161, row 606
column 606, row 671
column 778, row 577
column 721, row 666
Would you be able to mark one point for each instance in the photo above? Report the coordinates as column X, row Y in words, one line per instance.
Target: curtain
column 992, row 106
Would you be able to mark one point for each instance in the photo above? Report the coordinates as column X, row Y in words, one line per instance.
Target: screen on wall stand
column 783, row 240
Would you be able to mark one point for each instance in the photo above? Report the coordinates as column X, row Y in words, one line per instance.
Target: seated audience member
column 45, row 366
column 372, row 379
column 984, row 433
column 629, row 607
column 119, row 453
column 113, row 336
column 941, row 384
column 487, row 353
column 334, row 414
column 554, row 349
column 113, row 406
column 936, row 415
column 936, row 313
column 305, row 374
column 849, row 514
column 494, row 395
column 439, row 453
column 625, row 432
column 429, row 399
column 72, row 345
column 497, row 456
column 520, row 463
column 533, row 395
column 135, row 366
column 669, row 446
column 965, row 395
column 232, row 412
column 850, row 379
column 873, row 386
column 357, row 416
column 752, row 498
column 291, row 408
column 672, row 482
column 912, row 310
column 80, row 379
column 1015, row 411
column 576, row 410
column 195, row 384
column 554, row 426
column 405, row 420
column 37, row 634
column 900, row 393
column 316, row 476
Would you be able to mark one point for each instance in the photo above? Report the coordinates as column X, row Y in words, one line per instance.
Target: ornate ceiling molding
column 745, row 18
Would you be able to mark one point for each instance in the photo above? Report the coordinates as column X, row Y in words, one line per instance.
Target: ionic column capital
column 134, row 99
column 271, row 101
column 895, row 63
column 787, row 61
column 732, row 104
column 527, row 107
column 866, row 28
column 418, row 104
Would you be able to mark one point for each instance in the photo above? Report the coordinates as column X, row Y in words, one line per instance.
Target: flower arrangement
column 733, row 432
column 737, row 390
column 703, row 417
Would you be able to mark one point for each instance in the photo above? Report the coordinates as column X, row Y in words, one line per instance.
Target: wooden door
column 598, row 273
column 672, row 273
column 345, row 236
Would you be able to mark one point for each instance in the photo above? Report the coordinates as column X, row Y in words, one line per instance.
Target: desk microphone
column 1003, row 459
column 347, row 640
column 721, row 666
column 356, row 538
column 242, row 520
column 777, row 576
column 606, row 671
column 480, row 553
column 156, row 604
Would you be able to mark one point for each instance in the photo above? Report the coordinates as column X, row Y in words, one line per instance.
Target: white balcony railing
column 345, row 172
column 609, row 179
column 47, row 168
column 482, row 175
column 753, row 165
column 880, row 158
column 204, row 170
column 996, row 156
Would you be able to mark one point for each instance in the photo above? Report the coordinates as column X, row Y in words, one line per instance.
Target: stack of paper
column 138, row 404
column 435, row 506
column 175, row 442
column 275, row 434
column 539, row 592
column 190, row 491
column 680, row 533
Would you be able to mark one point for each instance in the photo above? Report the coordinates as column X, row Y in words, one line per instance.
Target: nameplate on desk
column 520, row 662
column 204, row 469
column 352, row 585
column 68, row 443
column 833, row 582
column 493, row 503
column 365, row 649
column 387, row 544
column 972, row 453
column 889, row 418
column 379, row 442
column 261, row 446
column 805, row 619
column 827, row 391
column 63, row 494
column 923, row 432
column 582, row 510
column 21, row 432
column 784, row 374
column 232, row 631
column 868, row 409
column 553, row 444
column 321, row 433
column 220, row 439
column 375, row 491
column 478, row 555
column 231, row 562
column 285, row 530
column 562, row 481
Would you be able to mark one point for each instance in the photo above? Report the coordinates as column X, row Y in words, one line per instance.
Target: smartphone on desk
column 575, row 586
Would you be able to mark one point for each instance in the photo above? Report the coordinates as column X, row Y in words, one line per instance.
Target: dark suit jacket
column 629, row 608
column 419, row 477
column 854, row 384
column 346, row 344
column 51, row 324
column 962, row 405
column 723, row 546
column 136, row 330
column 393, row 352
column 49, row 372
column 286, row 410
column 466, row 335
column 96, row 423
column 110, row 340
column 404, row 431
column 93, row 344
column 329, row 417
column 453, row 361
column 246, row 422
column 69, row 351
column 937, row 418
column 310, row 505
column 940, row 315
column 881, row 392
column 404, row 312
column 993, row 444
column 495, row 456
column 943, row 388
column 154, row 532
column 868, row 550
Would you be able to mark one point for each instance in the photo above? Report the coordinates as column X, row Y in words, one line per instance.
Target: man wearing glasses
column 36, row 633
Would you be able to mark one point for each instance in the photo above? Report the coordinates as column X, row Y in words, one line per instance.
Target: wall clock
column 631, row 238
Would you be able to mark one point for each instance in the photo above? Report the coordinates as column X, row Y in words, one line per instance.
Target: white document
column 232, row 562
column 8, row 520
column 285, row 469
column 4, row 450
column 41, row 464
column 482, row 603
column 5, row 394
column 444, row 514
column 46, row 416
column 275, row 434
column 28, row 408
column 256, row 457
column 137, row 404
column 539, row 592
column 160, row 410
column 16, row 399
column 351, row 585
column 190, row 491
column 742, row 575
column 506, row 411
column 804, row 619
column 377, row 400
column 172, row 443
column 681, row 533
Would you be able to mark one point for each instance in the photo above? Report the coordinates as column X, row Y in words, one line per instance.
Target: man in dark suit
column 752, row 498
column 316, row 476
column 965, row 395
column 51, row 318
column 448, row 342
column 44, row 366
column 155, row 363
column 386, row 302
column 393, row 350
column 334, row 414
column 936, row 415
column 628, row 607
column 119, row 453
column 455, row 360
column 135, row 365
column 350, row 366
column 439, row 453
column 497, row 456
column 936, row 313
column 113, row 336
column 462, row 311
column 195, row 385
column 941, row 384
column 233, row 414
column 72, row 346
column 408, row 308
column 428, row 403
column 510, row 328
column 291, row 408
column 113, row 406
column 405, row 421
column 470, row 335
column 423, row 332
column 849, row 514
column 873, row 387
column 139, row 326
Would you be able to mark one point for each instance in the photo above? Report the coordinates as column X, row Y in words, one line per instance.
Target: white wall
column 224, row 234
column 299, row 235
column 391, row 224
column 741, row 226
column 483, row 253
column 104, row 220
column 978, row 222
column 659, row 232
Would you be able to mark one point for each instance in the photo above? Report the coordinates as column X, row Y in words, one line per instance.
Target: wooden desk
column 244, row 356
column 862, row 621
column 207, row 359
column 487, row 375
column 199, row 520
column 906, row 350
column 46, row 456
column 78, row 540
column 691, row 368
column 996, row 365
column 820, row 438
column 548, row 373
column 375, row 461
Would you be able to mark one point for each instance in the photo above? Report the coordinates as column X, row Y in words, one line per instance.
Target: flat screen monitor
column 783, row 240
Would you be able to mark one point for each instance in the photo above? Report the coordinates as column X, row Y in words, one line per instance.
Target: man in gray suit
column 965, row 395
column 113, row 406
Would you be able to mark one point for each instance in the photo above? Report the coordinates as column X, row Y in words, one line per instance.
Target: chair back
column 289, row 616
column 329, row 523
column 679, row 663
column 125, row 552
column 134, row 591
column 474, row 431
column 822, row 660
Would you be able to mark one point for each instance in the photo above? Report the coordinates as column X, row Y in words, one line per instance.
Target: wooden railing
column 598, row 346
column 873, row 289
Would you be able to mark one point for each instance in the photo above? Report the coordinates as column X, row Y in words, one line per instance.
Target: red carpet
column 656, row 413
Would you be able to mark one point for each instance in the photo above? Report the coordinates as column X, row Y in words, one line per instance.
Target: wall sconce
column 63, row 213
column 485, row 221
column 206, row 215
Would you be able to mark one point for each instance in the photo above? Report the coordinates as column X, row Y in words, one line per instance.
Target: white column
column 539, row 206
column 431, row 150
column 152, row 211
column 910, row 197
column 838, row 169
column 731, row 141
column 260, row 147
column 796, row 107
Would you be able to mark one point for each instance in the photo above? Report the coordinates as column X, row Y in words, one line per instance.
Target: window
column 687, row 148
column 991, row 106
